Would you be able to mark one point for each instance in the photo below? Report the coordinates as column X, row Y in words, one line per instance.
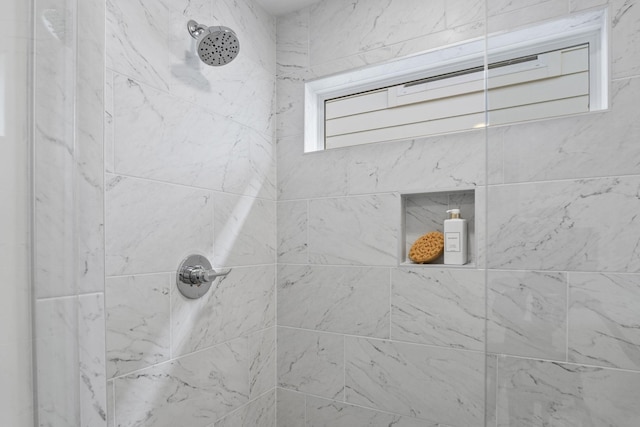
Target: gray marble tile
column 292, row 42
column 238, row 304
column 254, row 26
column 194, row 390
column 527, row 314
column 443, row 307
column 421, row 43
column 355, row 230
column 262, row 362
column 109, row 165
column 464, row 12
column 568, row 225
column 151, row 226
column 349, row 300
column 259, row 412
column 311, row 362
column 577, row 5
column 572, row 147
column 437, row 162
column 342, row 28
column 625, row 32
column 496, row 7
column 89, row 146
column 491, row 390
column 136, row 38
column 292, row 232
column 57, row 359
column 290, row 102
column 91, row 349
column 328, row 413
column 138, row 328
column 244, row 230
column 534, row 393
column 290, row 408
column 603, row 319
column 243, row 90
column 436, row 384
column 508, row 15
column 183, row 143
column 54, row 162
column 303, row 176
column 111, row 405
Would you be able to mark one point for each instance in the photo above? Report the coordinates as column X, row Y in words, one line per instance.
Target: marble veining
column 241, row 303
column 354, row 230
column 244, row 230
column 328, row 413
column 604, row 322
column 527, row 314
column 436, row 384
column 290, row 408
column 565, row 225
column 534, row 393
column 202, row 148
column 625, row 53
column 151, row 226
column 138, row 333
column 301, row 176
column 341, row 28
column 262, row 362
column 57, row 361
column 443, row 307
column 292, row 232
column 311, row 362
column 572, row 147
column 447, row 161
column 91, row 360
column 349, row 300
column 259, row 412
column 136, row 39
column 195, row 390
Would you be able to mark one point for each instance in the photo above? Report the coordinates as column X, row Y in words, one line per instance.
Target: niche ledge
column 425, row 212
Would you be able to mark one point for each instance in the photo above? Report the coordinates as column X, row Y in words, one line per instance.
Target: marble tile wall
column 190, row 168
column 362, row 341
column 68, row 262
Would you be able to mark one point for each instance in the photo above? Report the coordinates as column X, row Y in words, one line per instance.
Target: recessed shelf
column 425, row 212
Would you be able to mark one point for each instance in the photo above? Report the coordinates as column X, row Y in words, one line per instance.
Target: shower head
column 216, row 45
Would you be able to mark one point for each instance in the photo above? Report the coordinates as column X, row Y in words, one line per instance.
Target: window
column 559, row 72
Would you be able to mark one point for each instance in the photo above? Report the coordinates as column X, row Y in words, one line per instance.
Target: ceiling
column 281, row 7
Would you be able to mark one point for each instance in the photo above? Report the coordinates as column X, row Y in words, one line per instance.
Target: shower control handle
column 195, row 276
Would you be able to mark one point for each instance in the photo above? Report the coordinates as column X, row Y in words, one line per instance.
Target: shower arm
column 195, row 29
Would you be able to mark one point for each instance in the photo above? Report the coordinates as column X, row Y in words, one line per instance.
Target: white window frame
column 589, row 27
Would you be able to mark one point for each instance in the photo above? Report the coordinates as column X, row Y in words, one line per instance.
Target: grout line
column 344, row 368
column 191, row 187
column 568, row 295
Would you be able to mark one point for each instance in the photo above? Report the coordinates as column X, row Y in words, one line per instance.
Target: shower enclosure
column 540, row 328
column 52, row 335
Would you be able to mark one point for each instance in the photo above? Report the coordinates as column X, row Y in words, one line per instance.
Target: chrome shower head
column 216, row 45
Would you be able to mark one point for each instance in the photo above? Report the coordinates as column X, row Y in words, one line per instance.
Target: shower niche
column 426, row 212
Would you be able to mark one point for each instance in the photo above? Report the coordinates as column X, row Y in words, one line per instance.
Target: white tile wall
column 191, row 169
column 562, row 244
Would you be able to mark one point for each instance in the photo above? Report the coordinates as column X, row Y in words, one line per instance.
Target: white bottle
column 455, row 239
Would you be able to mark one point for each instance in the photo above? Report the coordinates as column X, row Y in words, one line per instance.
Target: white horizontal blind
column 545, row 85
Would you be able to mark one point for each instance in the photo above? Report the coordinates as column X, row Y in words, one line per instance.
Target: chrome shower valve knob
column 195, row 275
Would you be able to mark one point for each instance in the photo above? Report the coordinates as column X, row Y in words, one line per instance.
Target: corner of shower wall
column 68, row 224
